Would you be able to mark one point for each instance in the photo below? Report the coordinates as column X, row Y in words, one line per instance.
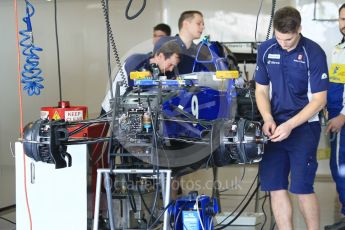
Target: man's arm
column 264, row 106
column 336, row 123
column 317, row 102
column 109, row 95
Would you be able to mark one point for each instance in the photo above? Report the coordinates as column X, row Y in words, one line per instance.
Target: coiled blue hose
column 31, row 74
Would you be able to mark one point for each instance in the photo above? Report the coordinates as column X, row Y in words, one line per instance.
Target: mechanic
column 336, row 115
column 191, row 26
column 166, row 56
column 160, row 30
column 291, row 88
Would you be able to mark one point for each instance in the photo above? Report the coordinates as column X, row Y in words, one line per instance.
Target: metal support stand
column 165, row 190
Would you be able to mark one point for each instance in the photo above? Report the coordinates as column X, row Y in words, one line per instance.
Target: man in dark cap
column 191, row 26
column 165, row 57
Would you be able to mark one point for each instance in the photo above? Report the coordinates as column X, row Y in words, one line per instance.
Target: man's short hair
column 187, row 15
column 163, row 27
column 167, row 46
column 341, row 7
column 287, row 20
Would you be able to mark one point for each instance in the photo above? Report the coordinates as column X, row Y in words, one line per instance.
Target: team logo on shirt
column 324, row 76
column 299, row 59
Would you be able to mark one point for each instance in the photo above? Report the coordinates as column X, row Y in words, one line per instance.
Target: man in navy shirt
column 291, row 88
column 166, row 56
column 190, row 25
column 160, row 30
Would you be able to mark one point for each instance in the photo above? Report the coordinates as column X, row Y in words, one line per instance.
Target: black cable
column 271, row 211
column 57, row 50
column 215, row 188
column 113, row 140
column 240, row 212
column 211, row 150
column 274, row 225
column 243, row 174
column 10, row 207
column 156, row 166
column 271, row 19
column 314, row 11
column 170, row 222
column 144, row 202
column 138, row 13
column 130, row 195
column 257, row 21
column 239, row 205
column 81, row 128
column 251, row 102
column 160, row 215
column 179, row 213
column 110, row 34
column 263, row 210
column 110, row 81
column 256, row 30
column 86, row 141
column 86, row 123
column 7, row 220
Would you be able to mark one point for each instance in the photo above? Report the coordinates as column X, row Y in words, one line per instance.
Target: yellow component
column 323, row 154
column 337, row 73
column 227, row 74
column 56, row 116
column 136, row 75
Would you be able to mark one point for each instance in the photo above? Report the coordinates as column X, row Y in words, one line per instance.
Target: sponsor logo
column 274, row 56
column 299, row 59
column 269, row 62
column 324, row 76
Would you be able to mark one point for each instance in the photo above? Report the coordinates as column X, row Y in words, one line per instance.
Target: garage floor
column 233, row 177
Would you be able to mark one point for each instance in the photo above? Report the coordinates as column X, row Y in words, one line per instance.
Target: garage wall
column 82, row 38
column 226, row 21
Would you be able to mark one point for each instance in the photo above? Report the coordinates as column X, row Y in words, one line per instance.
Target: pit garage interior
column 136, row 180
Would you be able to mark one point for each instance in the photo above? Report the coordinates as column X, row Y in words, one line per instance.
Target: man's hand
column 281, row 132
column 269, row 127
column 335, row 124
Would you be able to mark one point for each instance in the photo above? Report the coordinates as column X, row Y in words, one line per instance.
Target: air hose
column 271, row 19
column 111, row 40
column 31, row 75
column 136, row 14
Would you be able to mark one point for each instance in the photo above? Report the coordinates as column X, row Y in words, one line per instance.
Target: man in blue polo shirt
column 291, row 88
column 191, row 25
